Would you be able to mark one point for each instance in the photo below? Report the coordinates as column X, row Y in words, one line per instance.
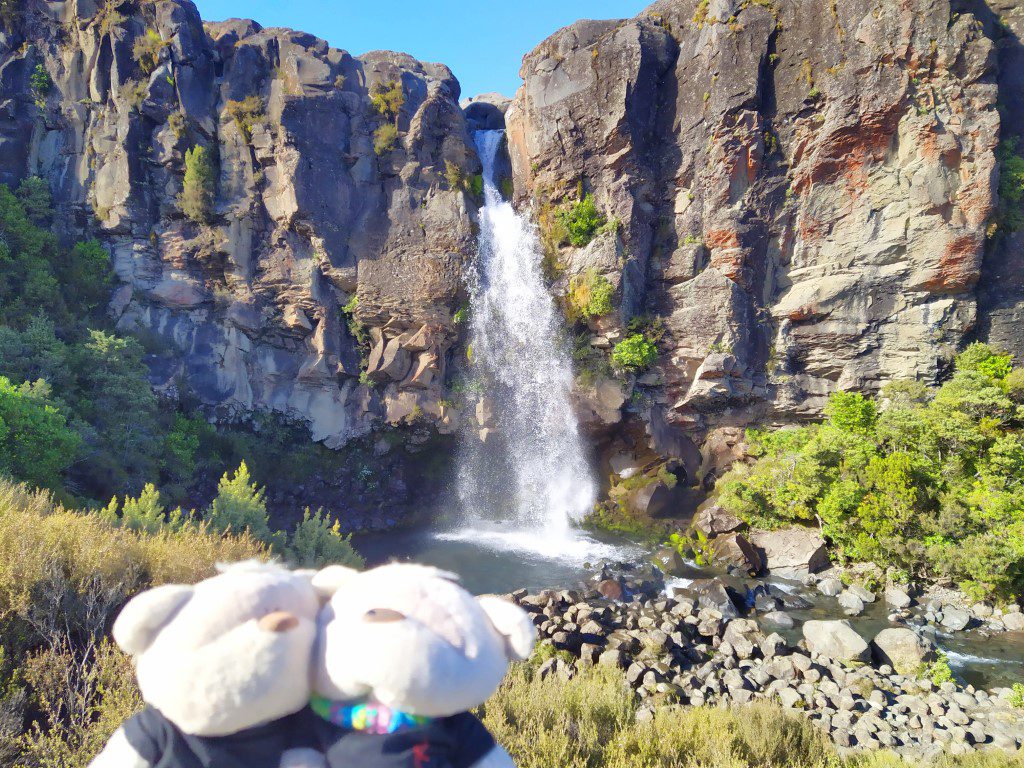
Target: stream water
column 522, row 490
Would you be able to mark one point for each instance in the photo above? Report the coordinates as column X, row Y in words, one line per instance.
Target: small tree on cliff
column 196, row 199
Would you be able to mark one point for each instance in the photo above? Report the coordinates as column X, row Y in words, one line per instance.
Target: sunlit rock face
column 306, row 215
column 804, row 189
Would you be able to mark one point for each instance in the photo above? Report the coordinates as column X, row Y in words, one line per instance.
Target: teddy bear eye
column 382, row 616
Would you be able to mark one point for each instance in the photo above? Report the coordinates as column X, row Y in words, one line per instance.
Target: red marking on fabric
column 421, row 754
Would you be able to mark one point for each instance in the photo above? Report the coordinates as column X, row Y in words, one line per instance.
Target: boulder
column 836, row 640
column 851, row 603
column 794, row 551
column 713, row 594
column 1014, row 622
column 734, row 549
column 830, row 587
column 715, row 521
column 779, row 619
column 955, row 619
column 744, row 635
column 897, row 597
column 861, row 592
column 902, row 649
column 670, row 562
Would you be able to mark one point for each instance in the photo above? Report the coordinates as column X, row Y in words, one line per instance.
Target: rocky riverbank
column 708, row 643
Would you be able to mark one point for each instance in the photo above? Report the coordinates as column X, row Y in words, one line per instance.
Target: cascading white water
column 533, row 471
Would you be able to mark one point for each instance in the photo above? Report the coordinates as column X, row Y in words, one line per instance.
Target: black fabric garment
column 163, row 744
column 458, row 741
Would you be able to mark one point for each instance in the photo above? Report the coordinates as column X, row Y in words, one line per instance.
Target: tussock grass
column 589, row 722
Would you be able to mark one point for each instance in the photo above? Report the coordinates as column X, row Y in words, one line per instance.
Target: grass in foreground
column 588, row 722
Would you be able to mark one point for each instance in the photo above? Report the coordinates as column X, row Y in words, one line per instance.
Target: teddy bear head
column 226, row 654
column 409, row 637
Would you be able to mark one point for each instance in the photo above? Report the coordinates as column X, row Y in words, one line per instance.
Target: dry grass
column 64, row 688
column 44, row 546
column 588, row 722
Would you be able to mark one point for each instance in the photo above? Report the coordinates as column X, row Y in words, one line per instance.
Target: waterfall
column 532, row 472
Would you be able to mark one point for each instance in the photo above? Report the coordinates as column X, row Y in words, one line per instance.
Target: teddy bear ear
column 329, row 580
column 513, row 623
column 141, row 620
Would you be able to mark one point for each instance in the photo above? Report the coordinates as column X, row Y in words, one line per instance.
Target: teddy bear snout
column 278, row 621
column 383, row 616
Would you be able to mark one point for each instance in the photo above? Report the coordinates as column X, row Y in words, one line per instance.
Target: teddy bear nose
column 382, row 615
column 278, row 621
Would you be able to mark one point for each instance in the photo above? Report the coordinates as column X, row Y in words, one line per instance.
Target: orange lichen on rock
column 959, row 267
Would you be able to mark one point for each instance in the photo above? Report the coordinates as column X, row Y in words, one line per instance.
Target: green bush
column 1017, row 697
column 34, row 195
column 387, row 99
column 590, row 295
column 145, row 513
column 200, row 185
column 317, row 542
column 581, row 221
column 36, row 443
column 1010, row 215
column 384, row 138
column 41, row 84
column 635, row 353
column 980, row 358
column 147, row 49
column 246, row 113
column 240, row 506
column 929, row 484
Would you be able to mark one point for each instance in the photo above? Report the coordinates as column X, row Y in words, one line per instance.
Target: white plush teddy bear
column 403, row 652
column 223, row 666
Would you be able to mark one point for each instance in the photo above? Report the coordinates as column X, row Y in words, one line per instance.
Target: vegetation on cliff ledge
column 929, row 482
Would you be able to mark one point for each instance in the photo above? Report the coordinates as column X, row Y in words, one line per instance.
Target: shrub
column 10, row 14
column 1010, row 215
column 634, row 353
column 938, row 671
column 459, row 180
column 134, row 93
column 144, row 514
column 36, row 443
column 65, row 574
column 851, row 412
column 36, row 200
column 147, row 49
column 589, row 722
column 581, row 221
column 929, row 486
column 384, row 138
column 246, row 113
column 317, row 542
column 82, row 698
column 41, row 84
column 981, row 358
column 177, row 123
column 199, row 188
column 387, row 99
column 591, row 294
column 1017, row 696
column 240, row 506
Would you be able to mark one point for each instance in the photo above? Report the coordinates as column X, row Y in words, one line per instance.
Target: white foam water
column 533, row 473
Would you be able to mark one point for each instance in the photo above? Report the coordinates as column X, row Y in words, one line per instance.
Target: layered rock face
column 255, row 306
column 804, row 191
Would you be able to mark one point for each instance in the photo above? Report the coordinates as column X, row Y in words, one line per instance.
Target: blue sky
column 483, row 42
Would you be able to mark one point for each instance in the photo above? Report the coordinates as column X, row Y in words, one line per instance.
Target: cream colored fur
column 446, row 653
column 204, row 659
